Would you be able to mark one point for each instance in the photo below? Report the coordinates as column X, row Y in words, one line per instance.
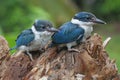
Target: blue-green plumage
column 77, row 30
column 25, row 38
column 35, row 38
column 67, row 33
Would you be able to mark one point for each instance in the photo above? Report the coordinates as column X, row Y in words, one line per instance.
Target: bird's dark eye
column 88, row 18
column 43, row 27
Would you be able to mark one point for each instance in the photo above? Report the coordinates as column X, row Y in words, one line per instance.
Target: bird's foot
column 74, row 50
column 30, row 56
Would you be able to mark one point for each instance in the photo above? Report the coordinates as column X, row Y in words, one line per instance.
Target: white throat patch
column 34, row 30
column 81, row 23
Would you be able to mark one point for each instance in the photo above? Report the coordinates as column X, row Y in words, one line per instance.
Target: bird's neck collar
column 81, row 23
column 34, row 30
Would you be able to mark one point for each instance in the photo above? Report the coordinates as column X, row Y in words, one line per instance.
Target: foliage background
column 17, row 15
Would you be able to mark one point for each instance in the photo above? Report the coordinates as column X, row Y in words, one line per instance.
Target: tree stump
column 92, row 63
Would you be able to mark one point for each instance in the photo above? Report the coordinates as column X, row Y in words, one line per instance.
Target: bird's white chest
column 41, row 39
column 88, row 30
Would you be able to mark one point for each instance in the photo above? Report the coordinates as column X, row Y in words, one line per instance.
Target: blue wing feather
column 25, row 38
column 67, row 33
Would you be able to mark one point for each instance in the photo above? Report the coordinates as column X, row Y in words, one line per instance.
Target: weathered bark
column 92, row 63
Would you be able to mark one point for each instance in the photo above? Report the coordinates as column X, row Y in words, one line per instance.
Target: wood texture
column 92, row 63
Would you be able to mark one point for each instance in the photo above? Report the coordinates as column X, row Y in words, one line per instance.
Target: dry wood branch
column 92, row 63
column 106, row 42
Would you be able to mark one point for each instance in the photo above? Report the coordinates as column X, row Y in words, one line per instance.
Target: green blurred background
column 17, row 15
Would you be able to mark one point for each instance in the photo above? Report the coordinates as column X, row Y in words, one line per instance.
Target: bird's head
column 43, row 25
column 86, row 18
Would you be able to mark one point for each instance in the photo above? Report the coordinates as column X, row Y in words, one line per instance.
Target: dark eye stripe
column 75, row 17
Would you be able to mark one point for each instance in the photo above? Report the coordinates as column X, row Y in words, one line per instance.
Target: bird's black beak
column 52, row 30
column 98, row 21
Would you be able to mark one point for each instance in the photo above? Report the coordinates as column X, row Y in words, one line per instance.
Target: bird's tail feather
column 13, row 48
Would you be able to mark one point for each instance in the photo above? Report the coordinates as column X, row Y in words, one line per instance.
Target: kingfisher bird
column 75, row 31
column 35, row 38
